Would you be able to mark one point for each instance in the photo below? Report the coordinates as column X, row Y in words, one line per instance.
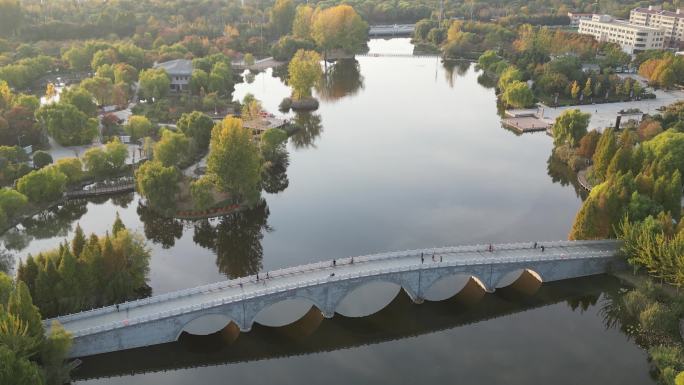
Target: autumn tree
column 570, row 126
column 80, row 98
column 339, row 27
column 202, row 193
column 518, row 94
column 101, row 88
column 301, row 26
column 282, row 15
column 139, row 126
column 196, row 126
column 605, row 150
column 234, row 163
column 106, row 161
column 172, row 148
column 67, row 124
column 509, row 75
column 158, row 184
column 575, row 90
column 305, row 71
column 154, row 83
column 42, row 186
column 11, row 16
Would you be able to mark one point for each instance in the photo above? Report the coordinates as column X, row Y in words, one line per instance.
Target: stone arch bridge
column 353, row 287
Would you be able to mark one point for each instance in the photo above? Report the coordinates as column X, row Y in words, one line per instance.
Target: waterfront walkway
column 604, row 115
column 209, row 308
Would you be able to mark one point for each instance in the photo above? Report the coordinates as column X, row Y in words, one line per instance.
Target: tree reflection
column 561, row 173
column 455, row 67
column 486, row 81
column 55, row 221
column 309, row 128
column 123, row 200
column 274, row 176
column 342, row 79
column 583, row 303
column 236, row 240
column 159, row 229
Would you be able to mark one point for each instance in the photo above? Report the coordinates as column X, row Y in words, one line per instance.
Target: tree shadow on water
column 236, row 240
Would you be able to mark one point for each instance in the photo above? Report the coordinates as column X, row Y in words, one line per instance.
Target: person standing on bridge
column 542, row 247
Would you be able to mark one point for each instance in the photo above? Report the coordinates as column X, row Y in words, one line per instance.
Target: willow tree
column 339, row 28
column 234, row 163
column 570, row 126
column 305, row 71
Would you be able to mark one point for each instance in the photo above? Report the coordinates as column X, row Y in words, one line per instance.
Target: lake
column 403, row 153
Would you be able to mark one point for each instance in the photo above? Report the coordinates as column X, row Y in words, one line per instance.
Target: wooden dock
column 527, row 120
column 525, row 124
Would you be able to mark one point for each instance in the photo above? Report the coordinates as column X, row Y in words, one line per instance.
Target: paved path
column 232, row 291
column 603, row 115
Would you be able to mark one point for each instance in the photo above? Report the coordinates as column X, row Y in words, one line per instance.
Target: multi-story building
column 632, row 38
column 670, row 22
column 179, row 72
column 576, row 17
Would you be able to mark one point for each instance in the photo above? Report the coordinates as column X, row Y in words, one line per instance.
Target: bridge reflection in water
column 313, row 334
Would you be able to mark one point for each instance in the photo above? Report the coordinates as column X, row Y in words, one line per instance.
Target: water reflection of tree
column 455, row 67
column 236, row 240
column 309, row 128
column 274, row 176
column 561, row 173
column 159, row 229
column 340, row 80
column 583, row 303
column 55, row 221
column 486, row 81
column 123, row 200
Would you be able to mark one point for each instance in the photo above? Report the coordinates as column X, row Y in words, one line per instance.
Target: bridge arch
column 363, row 298
column 454, row 284
column 206, row 324
column 525, row 280
column 283, row 312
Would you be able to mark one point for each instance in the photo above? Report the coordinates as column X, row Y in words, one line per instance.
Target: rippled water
column 402, row 153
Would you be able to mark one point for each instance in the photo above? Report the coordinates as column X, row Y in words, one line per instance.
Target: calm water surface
column 402, row 153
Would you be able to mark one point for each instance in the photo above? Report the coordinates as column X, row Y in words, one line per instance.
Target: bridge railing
column 278, row 288
column 317, row 266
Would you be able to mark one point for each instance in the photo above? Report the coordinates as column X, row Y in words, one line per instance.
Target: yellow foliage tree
column 339, row 27
column 305, row 71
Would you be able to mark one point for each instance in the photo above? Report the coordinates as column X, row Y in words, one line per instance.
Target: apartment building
column 632, row 38
column 670, row 22
column 576, row 17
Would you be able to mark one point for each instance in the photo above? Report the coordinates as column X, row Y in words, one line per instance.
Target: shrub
column 41, row 159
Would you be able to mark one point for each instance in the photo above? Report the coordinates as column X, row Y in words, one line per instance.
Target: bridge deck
column 313, row 274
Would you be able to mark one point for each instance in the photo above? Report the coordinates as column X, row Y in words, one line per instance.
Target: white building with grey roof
column 179, row 71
